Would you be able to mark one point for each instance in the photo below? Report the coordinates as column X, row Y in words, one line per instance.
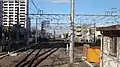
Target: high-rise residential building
column 15, row 11
column 1, row 12
column 1, row 16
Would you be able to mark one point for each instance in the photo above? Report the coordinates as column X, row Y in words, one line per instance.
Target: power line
column 32, row 10
column 75, row 15
column 34, row 5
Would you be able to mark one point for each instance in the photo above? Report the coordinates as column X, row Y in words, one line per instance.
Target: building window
column 113, row 46
column 5, row 19
column 10, row 12
column 22, row 15
column 22, row 7
column 22, row 22
column 5, row 12
column 5, row 15
column 5, row 4
column 5, row 7
column 16, row 2
column 11, row 4
column 22, row 4
column 11, row 1
column 10, row 16
column 11, row 7
column 22, row 10
column 15, row 15
column 5, row 23
column 22, row 18
column 11, row 20
column 5, row 1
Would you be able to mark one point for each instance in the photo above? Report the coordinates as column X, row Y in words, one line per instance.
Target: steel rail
column 31, row 61
column 34, row 58
column 24, row 59
column 42, row 59
column 24, row 48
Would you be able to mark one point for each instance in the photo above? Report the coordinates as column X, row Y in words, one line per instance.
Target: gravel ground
column 10, row 61
column 57, row 59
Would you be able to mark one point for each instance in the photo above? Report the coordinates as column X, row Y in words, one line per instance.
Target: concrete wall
column 109, row 60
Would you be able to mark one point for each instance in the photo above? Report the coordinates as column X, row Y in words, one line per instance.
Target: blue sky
column 81, row 6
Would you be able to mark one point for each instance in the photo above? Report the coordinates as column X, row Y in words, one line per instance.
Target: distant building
column 82, row 34
column 86, row 34
column 10, row 8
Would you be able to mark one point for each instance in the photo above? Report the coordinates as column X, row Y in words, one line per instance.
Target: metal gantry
column 62, row 21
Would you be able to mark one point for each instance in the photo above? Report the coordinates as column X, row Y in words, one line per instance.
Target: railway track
column 25, row 48
column 35, row 60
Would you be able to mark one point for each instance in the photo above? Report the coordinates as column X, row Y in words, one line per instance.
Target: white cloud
column 59, row 1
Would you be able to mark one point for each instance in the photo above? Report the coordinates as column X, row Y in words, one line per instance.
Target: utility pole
column 71, row 54
column 17, row 24
column 94, row 32
column 36, row 31
column 8, row 47
column 54, row 34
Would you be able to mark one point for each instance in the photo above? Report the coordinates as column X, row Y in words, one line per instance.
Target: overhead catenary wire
column 34, row 5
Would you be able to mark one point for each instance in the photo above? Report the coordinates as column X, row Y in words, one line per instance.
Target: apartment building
column 1, row 9
column 15, row 11
column 1, row 13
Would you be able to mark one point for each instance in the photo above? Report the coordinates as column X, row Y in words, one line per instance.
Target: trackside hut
column 110, row 45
